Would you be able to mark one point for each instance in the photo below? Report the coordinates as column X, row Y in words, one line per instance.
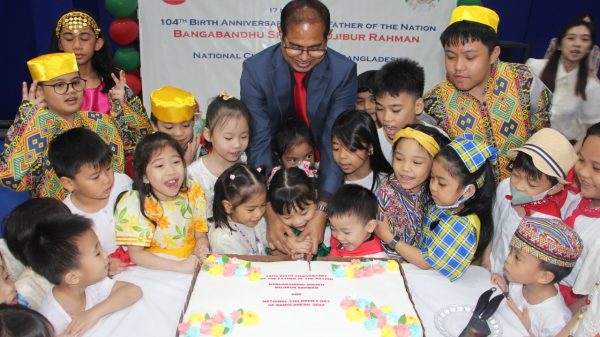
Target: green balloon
column 127, row 58
column 468, row 2
column 121, row 8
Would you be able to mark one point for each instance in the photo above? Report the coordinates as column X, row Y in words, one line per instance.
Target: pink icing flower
column 206, row 326
column 353, row 261
column 235, row 316
column 358, row 273
column 218, row 317
column 368, row 271
column 182, row 328
column 381, row 321
column 347, row 303
column 229, row 269
column 402, row 330
column 377, row 269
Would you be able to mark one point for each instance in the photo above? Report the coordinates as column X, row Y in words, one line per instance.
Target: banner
column 199, row 45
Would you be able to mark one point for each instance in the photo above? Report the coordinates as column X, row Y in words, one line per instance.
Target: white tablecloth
column 432, row 292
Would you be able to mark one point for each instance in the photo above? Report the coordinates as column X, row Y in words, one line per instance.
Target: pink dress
column 96, row 100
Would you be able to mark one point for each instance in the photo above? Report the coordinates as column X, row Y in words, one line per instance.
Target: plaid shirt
column 449, row 247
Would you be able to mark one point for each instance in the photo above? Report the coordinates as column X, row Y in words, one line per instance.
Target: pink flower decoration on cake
column 218, row 324
column 222, row 265
column 235, row 316
column 402, row 330
column 205, row 327
column 347, row 303
column 374, row 317
column 357, row 269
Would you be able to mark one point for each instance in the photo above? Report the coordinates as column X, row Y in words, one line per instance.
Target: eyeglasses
column 311, row 51
column 62, row 88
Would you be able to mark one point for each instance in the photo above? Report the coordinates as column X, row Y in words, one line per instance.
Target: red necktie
column 300, row 97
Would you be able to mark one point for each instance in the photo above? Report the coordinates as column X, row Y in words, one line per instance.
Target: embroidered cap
column 549, row 240
column 550, row 152
column 172, row 105
column 46, row 67
column 477, row 14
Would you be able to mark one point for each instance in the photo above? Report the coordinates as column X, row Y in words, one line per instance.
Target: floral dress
column 175, row 222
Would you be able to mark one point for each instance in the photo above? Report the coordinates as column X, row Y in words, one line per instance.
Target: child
column 365, row 100
column 56, row 102
column 398, row 89
column 356, row 150
column 403, row 197
column 20, row 321
column 535, row 188
column 240, row 203
column 294, row 145
column 8, row 291
column 162, row 220
column 543, row 251
column 82, row 160
column 293, row 197
column 228, row 130
column 174, row 112
column 502, row 104
column 458, row 226
column 66, row 251
column 583, row 214
column 352, row 212
column 78, row 32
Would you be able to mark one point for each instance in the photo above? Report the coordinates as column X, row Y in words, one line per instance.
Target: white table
column 431, row 292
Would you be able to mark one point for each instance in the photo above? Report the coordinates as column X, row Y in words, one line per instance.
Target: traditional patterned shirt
column 515, row 105
column 24, row 165
column 449, row 247
column 403, row 211
column 175, row 221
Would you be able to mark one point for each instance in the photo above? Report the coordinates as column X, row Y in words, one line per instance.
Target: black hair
column 425, row 196
column 144, row 151
column 353, row 200
column 366, row 81
column 75, row 148
column 400, row 76
column 292, row 134
column 21, row 222
column 17, row 320
column 291, row 190
column 102, row 61
column 524, row 163
column 52, row 250
column 236, row 184
column 481, row 202
column 548, row 75
column 356, row 131
column 463, row 32
column 301, row 11
column 222, row 108
column 593, row 130
column 559, row 272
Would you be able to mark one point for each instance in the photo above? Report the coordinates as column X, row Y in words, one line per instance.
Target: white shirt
column 367, row 181
column 570, row 113
column 57, row 315
column 198, row 172
column 506, row 221
column 243, row 240
column 386, row 146
column 547, row 318
column 104, row 219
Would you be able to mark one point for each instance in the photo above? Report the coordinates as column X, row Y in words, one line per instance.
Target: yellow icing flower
column 385, row 309
column 393, row 265
column 250, row 318
column 217, row 330
column 354, row 314
column 349, row 273
column 356, row 266
column 196, row 318
column 412, row 319
column 216, row 269
column 254, row 276
column 210, row 258
column 387, row 331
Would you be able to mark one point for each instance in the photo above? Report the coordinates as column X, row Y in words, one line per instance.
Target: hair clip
column 259, row 169
column 232, row 176
column 225, row 96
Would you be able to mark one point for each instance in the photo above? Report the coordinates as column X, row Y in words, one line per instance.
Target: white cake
column 287, row 299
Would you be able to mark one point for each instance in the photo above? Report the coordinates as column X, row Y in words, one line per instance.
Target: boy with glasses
column 51, row 106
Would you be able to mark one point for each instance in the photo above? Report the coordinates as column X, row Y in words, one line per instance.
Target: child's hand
column 81, row 323
column 33, row 95
column 500, row 281
column 115, row 266
column 523, row 315
column 382, row 230
column 117, row 92
column 300, row 248
column 201, row 251
column 188, row 265
column 192, row 148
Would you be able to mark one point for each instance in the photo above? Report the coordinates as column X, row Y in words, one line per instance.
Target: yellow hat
column 478, row 14
column 49, row 66
column 172, row 105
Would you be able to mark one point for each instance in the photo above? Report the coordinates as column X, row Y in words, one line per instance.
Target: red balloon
column 174, row 2
column 124, row 31
column 133, row 82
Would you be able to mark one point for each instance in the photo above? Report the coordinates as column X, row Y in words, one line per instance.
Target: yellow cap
column 172, row 105
column 46, row 67
column 478, row 14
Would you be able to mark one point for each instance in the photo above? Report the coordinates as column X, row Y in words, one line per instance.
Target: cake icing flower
column 361, row 269
column 384, row 318
column 218, row 324
column 222, row 265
